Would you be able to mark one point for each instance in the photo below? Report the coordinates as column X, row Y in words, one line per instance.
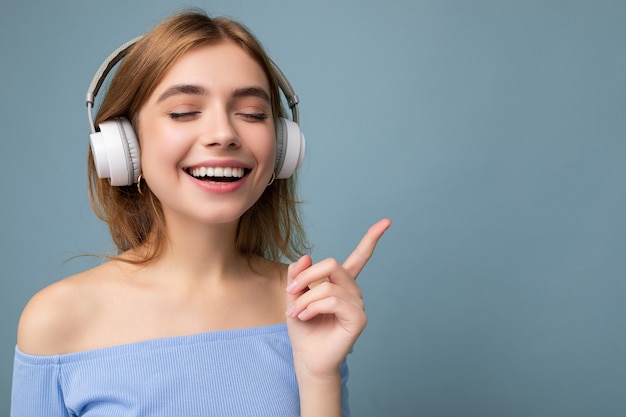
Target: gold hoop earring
column 139, row 183
column 272, row 180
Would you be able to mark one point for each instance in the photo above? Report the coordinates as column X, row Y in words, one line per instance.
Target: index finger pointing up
column 357, row 260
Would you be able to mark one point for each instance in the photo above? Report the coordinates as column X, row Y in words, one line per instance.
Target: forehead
column 218, row 67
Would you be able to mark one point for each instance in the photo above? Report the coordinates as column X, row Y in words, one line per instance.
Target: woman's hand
column 326, row 312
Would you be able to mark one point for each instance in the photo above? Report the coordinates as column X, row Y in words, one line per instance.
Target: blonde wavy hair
column 271, row 228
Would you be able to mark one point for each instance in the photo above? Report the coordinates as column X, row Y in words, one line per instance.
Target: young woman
column 196, row 316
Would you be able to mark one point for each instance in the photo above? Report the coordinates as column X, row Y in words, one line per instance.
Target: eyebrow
column 182, row 89
column 253, row 92
column 200, row 91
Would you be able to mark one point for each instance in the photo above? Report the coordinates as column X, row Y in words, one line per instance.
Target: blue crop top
column 242, row 372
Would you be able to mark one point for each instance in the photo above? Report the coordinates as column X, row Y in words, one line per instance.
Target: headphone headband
column 117, row 55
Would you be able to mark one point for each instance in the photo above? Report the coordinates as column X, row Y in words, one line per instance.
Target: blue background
column 493, row 133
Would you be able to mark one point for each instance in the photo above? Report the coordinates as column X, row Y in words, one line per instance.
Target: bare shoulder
column 271, row 270
column 54, row 318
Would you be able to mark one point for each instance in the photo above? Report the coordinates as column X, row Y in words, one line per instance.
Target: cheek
column 267, row 153
column 265, row 147
column 160, row 146
column 271, row 150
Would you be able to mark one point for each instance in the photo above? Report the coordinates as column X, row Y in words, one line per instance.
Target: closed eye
column 183, row 116
column 253, row 116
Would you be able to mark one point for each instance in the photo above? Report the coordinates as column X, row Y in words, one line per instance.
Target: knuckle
column 333, row 301
column 358, row 292
column 326, row 288
column 332, row 263
column 363, row 320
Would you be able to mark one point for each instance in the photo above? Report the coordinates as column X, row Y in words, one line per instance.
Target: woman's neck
column 200, row 252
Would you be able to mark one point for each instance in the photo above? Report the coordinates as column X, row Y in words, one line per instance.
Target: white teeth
column 227, row 172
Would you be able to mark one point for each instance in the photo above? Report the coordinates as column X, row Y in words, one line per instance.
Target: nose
column 219, row 131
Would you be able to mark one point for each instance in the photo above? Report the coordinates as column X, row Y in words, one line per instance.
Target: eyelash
column 248, row 116
column 179, row 116
column 254, row 116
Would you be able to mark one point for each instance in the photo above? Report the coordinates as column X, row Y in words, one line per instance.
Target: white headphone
column 115, row 147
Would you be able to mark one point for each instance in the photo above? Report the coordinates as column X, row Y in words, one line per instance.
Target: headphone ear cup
column 115, row 150
column 290, row 146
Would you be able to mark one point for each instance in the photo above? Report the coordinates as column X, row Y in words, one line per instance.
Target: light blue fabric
column 243, row 372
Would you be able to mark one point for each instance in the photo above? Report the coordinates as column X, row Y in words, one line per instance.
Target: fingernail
column 292, row 267
column 292, row 285
column 290, row 311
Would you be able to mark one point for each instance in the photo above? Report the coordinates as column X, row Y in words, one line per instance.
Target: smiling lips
column 220, row 174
